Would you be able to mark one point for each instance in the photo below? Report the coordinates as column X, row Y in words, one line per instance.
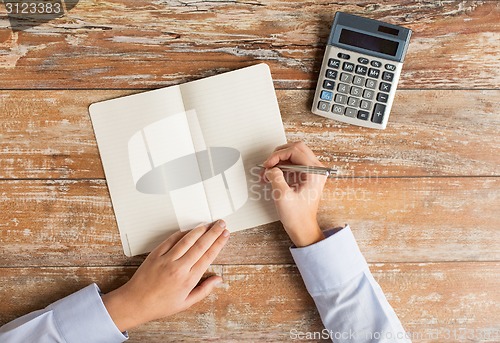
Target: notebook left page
column 133, row 133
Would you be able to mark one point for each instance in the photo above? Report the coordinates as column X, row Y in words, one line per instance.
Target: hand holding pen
column 297, row 201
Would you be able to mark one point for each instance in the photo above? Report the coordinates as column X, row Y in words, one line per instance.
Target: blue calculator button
column 326, row 95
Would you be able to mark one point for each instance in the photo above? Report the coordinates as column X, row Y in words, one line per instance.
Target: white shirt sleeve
column 80, row 317
column 351, row 304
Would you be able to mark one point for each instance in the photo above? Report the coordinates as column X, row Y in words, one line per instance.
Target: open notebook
column 183, row 155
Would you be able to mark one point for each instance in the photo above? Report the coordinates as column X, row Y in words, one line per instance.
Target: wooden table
column 422, row 196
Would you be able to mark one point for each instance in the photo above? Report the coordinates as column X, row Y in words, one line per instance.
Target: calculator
column 360, row 70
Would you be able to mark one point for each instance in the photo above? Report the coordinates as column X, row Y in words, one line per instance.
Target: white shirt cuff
column 83, row 315
column 331, row 262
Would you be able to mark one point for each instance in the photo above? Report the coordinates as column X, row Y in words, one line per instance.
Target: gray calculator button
column 371, row 83
column 331, row 74
column 343, row 88
column 373, row 73
column 344, row 56
column 337, row 109
column 328, row 84
column 378, row 113
column 385, row 87
column 365, row 104
column 323, row 106
column 390, row 67
column 351, row 112
column 368, row 94
column 340, row 98
column 354, row 102
column 347, row 66
column 376, row 64
column 361, row 70
column 386, row 76
column 382, row 97
column 363, row 60
column 345, row 77
column 333, row 63
column 356, row 91
column 358, row 80
column 363, row 115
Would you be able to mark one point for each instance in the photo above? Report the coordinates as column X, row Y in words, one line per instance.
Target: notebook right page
column 241, row 125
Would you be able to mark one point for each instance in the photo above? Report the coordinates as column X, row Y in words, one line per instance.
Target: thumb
column 201, row 291
column 277, row 179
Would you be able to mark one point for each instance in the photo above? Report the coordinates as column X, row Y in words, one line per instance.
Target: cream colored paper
column 237, row 110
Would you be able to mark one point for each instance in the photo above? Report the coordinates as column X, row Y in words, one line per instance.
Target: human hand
column 297, row 196
column 167, row 281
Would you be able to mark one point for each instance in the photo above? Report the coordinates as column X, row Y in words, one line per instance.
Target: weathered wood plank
column 71, row 223
column 144, row 44
column 48, row 134
column 441, row 302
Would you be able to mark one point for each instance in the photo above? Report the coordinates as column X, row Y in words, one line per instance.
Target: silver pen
column 328, row 172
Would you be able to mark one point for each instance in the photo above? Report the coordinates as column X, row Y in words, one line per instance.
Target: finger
column 167, row 244
column 277, row 179
column 205, row 242
column 211, row 254
column 186, row 242
column 201, row 291
column 301, row 146
column 284, row 146
column 292, row 154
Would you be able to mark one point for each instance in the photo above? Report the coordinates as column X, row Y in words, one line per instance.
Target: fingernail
column 225, row 233
column 222, row 223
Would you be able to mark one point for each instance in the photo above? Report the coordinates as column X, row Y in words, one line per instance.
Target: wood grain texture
column 264, row 303
column 421, row 197
column 144, row 44
column 71, row 223
column 48, row 134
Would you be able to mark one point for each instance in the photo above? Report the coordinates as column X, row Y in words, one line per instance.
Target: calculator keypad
column 357, row 88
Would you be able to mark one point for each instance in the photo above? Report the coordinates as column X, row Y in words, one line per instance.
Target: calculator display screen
column 368, row 42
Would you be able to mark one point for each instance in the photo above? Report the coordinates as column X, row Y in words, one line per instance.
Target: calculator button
column 358, row 80
column 373, row 73
column 345, row 77
column 348, row 66
column 356, row 91
column 328, row 84
column 354, row 102
column 363, row 115
column 338, row 109
column 340, row 99
column 331, row 74
column 351, row 112
column 368, row 94
column 363, row 60
column 333, row 63
column 361, row 70
column 382, row 97
column 386, row 76
column 365, row 104
column 343, row 88
column 378, row 113
column 390, row 67
column 376, row 64
column 323, row 106
column 326, row 95
column 385, row 87
column 371, row 84
column 344, row 56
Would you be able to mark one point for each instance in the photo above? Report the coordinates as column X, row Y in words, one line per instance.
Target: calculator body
column 360, row 71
